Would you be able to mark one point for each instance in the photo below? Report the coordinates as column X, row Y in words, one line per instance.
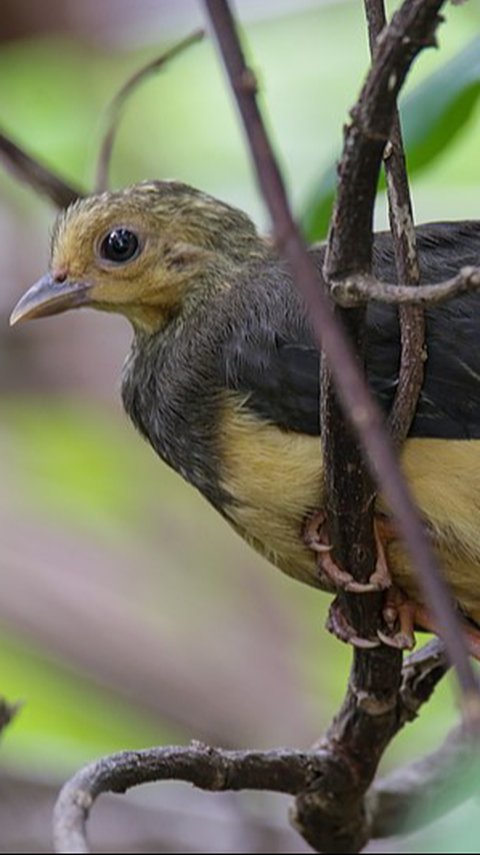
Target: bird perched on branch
column 223, row 375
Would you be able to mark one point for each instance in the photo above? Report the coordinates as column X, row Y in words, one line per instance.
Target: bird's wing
column 273, row 362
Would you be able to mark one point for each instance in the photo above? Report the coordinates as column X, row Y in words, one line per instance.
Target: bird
column 222, row 378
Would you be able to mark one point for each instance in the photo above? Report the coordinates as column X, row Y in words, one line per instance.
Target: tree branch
column 279, row 770
column 412, row 321
column 46, row 182
column 333, row 819
column 356, row 290
column 39, row 177
column 115, row 109
column 7, row 713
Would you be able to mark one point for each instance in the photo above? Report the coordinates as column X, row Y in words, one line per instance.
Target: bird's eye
column 119, row 246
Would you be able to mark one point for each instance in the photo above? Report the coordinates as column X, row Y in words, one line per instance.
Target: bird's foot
column 316, row 538
column 341, row 628
column 400, row 616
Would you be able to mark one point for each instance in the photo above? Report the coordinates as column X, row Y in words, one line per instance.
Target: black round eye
column 120, row 245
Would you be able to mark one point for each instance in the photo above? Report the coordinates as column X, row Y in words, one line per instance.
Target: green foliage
column 64, row 720
column 73, row 464
column 432, row 117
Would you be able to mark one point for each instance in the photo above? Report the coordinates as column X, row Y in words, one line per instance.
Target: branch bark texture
column 412, row 321
column 300, row 773
column 355, row 290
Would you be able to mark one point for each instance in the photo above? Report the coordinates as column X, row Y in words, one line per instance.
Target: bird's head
column 139, row 252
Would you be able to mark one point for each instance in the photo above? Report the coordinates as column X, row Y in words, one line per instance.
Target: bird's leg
column 316, row 537
column 399, row 612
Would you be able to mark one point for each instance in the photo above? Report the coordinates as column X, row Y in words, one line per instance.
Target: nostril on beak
column 60, row 276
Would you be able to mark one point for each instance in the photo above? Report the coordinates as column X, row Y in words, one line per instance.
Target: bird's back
column 271, row 357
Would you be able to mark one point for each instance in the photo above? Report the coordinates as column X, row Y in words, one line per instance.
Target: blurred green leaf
column 432, row 116
column 74, row 460
column 65, row 719
column 448, row 815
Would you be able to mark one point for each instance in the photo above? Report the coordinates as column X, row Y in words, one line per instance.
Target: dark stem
column 115, row 109
column 412, row 321
column 38, row 176
column 8, row 712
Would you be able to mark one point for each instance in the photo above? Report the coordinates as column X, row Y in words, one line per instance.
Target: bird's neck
column 189, row 297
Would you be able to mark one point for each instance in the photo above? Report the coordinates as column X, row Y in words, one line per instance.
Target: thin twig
column 8, row 712
column 115, row 109
column 39, row 177
column 356, row 290
column 412, row 321
column 421, row 672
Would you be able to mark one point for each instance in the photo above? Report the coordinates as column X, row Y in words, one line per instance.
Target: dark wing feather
column 272, row 360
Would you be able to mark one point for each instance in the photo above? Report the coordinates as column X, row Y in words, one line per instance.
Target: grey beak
column 50, row 297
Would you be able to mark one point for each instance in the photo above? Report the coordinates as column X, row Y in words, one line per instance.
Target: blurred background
column 130, row 614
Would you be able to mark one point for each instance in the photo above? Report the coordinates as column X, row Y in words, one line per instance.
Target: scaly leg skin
column 315, row 536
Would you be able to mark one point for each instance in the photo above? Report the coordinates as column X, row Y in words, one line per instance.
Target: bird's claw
column 342, row 629
column 315, row 537
column 399, row 640
column 399, row 617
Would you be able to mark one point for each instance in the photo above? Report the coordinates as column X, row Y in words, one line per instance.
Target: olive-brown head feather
column 141, row 251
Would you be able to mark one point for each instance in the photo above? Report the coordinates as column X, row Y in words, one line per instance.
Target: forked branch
column 279, row 770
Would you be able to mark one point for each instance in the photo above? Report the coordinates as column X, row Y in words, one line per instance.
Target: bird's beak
column 50, row 297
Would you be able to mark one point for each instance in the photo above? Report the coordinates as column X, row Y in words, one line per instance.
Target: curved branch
column 212, row 769
column 114, row 111
column 279, row 770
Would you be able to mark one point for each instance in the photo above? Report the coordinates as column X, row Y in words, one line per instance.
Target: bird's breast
column 266, row 480
column 275, row 479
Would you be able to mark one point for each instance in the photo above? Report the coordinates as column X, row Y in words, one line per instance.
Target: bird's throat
column 148, row 319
